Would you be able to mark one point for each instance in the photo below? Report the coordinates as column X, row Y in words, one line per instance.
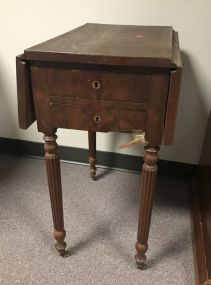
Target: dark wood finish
column 173, row 97
column 92, row 154
column 172, row 104
column 84, row 118
column 198, row 237
column 107, row 104
column 55, row 189
column 26, row 114
column 156, row 109
column 148, row 180
column 112, row 86
column 104, row 78
column 109, row 44
column 201, row 211
column 41, row 100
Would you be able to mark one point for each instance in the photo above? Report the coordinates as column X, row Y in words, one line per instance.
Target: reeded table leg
column 148, row 180
column 92, row 154
column 55, row 189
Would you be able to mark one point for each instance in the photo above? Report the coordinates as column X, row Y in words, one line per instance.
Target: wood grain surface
column 109, row 44
column 103, row 78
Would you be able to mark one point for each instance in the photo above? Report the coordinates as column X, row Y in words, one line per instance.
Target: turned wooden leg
column 55, row 189
column 92, row 154
column 148, row 180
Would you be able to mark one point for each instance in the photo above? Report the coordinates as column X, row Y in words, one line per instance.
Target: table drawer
column 98, row 85
column 56, row 105
column 96, row 118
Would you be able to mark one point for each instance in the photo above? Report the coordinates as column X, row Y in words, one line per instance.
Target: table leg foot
column 92, row 154
column 61, row 244
column 140, row 257
column 92, row 167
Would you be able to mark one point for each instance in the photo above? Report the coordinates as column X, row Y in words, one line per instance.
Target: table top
column 110, row 44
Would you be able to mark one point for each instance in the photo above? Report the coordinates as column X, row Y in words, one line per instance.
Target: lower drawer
column 96, row 119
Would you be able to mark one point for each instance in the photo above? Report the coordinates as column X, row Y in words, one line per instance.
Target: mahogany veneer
column 102, row 78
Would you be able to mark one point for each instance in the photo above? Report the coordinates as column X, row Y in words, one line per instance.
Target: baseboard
column 107, row 159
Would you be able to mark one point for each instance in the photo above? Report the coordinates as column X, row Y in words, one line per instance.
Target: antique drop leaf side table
column 102, row 78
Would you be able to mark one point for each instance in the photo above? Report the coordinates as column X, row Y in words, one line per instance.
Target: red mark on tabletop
column 139, row 36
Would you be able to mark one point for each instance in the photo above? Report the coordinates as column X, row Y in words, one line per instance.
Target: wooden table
column 102, row 78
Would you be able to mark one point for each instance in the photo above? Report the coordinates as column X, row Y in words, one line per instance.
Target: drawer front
column 96, row 118
column 93, row 108
column 98, row 85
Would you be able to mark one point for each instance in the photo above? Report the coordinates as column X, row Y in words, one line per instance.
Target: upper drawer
column 98, row 85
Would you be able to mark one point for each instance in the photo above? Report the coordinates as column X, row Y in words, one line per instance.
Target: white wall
column 25, row 23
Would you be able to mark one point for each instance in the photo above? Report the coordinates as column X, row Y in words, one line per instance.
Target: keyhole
column 97, row 119
column 96, row 84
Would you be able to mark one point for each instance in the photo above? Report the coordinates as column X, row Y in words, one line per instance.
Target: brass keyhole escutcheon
column 96, row 84
column 97, row 119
